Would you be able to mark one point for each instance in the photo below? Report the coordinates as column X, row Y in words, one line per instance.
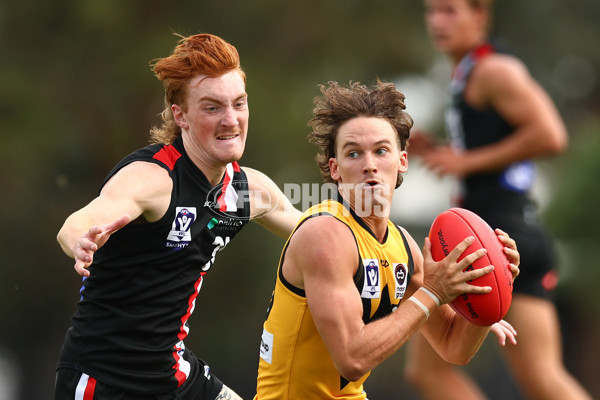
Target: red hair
column 201, row 54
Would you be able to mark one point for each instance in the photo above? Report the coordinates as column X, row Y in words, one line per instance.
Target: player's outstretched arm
column 83, row 248
column 125, row 197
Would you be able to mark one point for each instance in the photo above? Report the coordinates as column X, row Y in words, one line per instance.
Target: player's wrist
column 426, row 300
column 420, row 304
column 436, row 296
column 432, row 295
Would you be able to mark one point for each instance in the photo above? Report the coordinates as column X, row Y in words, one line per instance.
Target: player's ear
column 481, row 15
column 333, row 169
column 179, row 116
column 403, row 162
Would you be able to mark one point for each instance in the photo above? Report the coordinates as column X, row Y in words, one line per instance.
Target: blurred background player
column 499, row 120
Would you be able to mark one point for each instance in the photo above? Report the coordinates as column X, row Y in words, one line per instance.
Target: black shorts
column 75, row 385
column 517, row 217
column 538, row 275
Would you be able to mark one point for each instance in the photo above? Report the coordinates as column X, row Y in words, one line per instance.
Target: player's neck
column 458, row 54
column 378, row 226
column 212, row 168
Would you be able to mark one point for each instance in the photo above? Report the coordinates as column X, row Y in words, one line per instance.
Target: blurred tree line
column 77, row 95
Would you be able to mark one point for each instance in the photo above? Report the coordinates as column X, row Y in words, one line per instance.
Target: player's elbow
column 352, row 370
column 557, row 145
column 461, row 360
column 459, row 357
column 60, row 237
column 63, row 241
column 557, row 142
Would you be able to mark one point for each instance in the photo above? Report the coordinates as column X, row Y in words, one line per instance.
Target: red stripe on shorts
column 90, row 388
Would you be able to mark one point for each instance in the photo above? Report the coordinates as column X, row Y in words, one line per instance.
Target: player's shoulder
column 499, row 67
column 142, row 169
column 498, row 76
column 251, row 172
column 261, row 185
column 323, row 244
column 324, row 232
column 134, row 178
column 323, row 224
column 257, row 178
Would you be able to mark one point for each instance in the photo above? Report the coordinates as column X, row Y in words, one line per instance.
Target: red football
column 449, row 229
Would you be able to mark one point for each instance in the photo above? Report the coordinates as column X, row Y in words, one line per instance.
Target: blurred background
column 76, row 95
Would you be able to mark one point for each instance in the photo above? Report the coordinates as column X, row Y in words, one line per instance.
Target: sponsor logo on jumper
column 400, row 275
column 211, row 224
column 229, row 224
column 371, row 288
column 180, row 235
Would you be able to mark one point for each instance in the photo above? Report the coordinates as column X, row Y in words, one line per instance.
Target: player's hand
column 445, row 160
column 92, row 240
column 510, row 249
column 504, row 332
column 446, row 278
column 420, row 143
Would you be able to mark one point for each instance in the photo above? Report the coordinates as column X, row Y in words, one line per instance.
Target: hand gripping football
column 449, row 229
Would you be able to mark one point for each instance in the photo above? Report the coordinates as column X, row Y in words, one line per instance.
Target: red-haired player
column 145, row 244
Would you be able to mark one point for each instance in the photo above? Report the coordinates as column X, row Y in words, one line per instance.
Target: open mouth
column 371, row 183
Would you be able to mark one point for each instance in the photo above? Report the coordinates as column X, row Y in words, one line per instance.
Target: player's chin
column 230, row 152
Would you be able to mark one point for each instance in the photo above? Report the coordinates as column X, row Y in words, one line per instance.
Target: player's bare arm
column 503, row 83
column 322, row 258
column 125, row 197
column 268, row 205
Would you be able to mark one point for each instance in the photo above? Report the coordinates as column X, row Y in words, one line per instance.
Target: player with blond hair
column 499, row 120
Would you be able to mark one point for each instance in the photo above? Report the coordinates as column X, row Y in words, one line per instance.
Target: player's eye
column 241, row 103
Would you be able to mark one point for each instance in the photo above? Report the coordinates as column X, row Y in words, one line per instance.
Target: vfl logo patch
column 180, row 235
column 400, row 275
column 266, row 346
column 371, row 288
